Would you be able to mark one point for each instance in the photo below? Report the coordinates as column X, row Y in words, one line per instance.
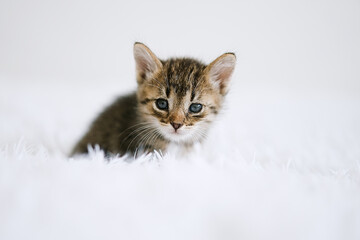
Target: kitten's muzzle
column 176, row 126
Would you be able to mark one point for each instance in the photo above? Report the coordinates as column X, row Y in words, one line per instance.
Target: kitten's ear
column 146, row 62
column 220, row 70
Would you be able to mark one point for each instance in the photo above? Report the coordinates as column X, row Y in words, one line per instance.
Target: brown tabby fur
column 132, row 123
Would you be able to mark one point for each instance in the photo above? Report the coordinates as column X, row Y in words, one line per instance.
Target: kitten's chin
column 180, row 136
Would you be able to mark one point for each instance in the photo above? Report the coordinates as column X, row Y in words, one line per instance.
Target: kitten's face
column 180, row 97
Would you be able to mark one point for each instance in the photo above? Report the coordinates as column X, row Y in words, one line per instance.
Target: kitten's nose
column 176, row 126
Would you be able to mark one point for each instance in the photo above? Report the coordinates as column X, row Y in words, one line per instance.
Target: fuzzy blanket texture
column 283, row 168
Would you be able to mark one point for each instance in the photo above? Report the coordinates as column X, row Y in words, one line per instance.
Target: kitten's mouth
column 176, row 132
column 178, row 135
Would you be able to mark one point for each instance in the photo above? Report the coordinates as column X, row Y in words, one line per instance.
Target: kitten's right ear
column 220, row 70
column 146, row 62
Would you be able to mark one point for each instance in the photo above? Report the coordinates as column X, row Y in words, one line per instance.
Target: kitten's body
column 116, row 129
column 165, row 108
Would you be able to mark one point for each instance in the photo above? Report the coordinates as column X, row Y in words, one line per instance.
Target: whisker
column 129, row 145
column 144, row 140
column 138, row 132
column 152, row 138
column 136, row 125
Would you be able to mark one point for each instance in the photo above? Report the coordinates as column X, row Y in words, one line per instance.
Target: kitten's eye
column 195, row 107
column 162, row 104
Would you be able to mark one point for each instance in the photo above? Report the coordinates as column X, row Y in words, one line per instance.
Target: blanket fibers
column 274, row 167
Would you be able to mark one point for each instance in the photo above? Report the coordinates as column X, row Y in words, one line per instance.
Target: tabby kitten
column 175, row 103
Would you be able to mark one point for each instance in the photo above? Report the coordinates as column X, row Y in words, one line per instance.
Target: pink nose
column 176, row 126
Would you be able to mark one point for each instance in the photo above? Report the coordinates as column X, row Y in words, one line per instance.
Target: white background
column 281, row 44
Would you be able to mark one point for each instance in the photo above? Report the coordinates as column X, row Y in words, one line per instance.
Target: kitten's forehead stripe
column 192, row 94
column 182, row 75
column 167, row 90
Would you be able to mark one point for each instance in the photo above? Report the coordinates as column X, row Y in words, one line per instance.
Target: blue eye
column 195, row 107
column 162, row 104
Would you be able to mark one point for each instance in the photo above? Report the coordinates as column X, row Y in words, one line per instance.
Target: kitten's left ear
column 220, row 70
column 146, row 62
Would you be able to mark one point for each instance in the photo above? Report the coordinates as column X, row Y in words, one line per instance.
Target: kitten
column 175, row 102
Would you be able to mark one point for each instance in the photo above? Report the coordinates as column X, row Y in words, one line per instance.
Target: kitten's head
column 181, row 97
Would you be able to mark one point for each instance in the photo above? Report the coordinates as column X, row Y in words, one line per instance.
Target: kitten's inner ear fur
column 146, row 62
column 220, row 70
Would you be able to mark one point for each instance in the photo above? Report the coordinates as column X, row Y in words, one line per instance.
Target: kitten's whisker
column 197, row 137
column 144, row 134
column 137, row 132
column 203, row 134
column 138, row 129
column 145, row 139
column 133, row 126
column 200, row 134
column 142, row 126
column 152, row 138
column 146, row 131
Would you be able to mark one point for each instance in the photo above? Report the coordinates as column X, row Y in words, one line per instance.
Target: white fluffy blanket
column 280, row 167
